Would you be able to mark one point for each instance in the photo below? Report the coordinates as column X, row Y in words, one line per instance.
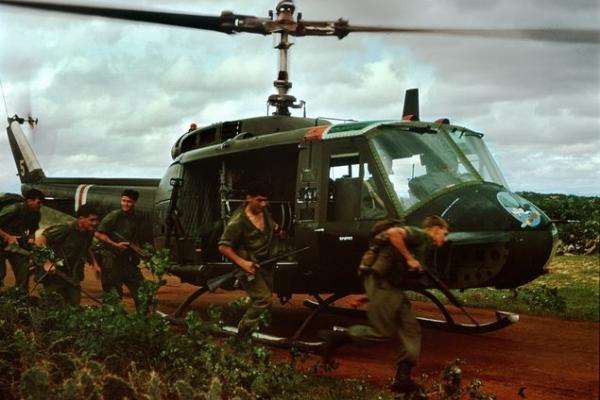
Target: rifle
column 19, row 250
column 137, row 250
column 446, row 291
column 214, row 283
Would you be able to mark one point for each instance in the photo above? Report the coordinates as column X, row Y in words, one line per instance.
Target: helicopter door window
column 372, row 205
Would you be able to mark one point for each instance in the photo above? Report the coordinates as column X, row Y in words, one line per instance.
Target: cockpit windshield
column 474, row 148
column 420, row 162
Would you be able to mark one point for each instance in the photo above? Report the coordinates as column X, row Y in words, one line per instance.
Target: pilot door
column 340, row 200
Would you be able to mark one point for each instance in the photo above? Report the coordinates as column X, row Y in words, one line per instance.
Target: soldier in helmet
column 250, row 237
column 118, row 262
column 18, row 223
column 71, row 244
column 396, row 251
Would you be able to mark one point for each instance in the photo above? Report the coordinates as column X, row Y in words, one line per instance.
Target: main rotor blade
column 342, row 28
column 226, row 22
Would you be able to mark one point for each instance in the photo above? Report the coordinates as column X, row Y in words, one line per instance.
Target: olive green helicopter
column 331, row 183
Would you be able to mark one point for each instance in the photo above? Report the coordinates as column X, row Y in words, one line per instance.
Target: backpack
column 6, row 199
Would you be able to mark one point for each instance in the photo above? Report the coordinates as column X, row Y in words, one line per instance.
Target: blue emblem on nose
column 521, row 209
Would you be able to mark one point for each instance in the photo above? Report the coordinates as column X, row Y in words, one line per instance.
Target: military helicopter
column 331, row 184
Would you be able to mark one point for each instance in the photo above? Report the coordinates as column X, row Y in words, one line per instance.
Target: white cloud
column 113, row 96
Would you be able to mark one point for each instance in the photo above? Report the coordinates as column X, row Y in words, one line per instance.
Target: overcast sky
column 113, row 96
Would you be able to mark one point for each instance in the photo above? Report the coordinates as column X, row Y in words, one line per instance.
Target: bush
column 580, row 235
column 543, row 297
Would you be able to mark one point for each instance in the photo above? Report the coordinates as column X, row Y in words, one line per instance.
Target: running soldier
column 250, row 237
column 395, row 253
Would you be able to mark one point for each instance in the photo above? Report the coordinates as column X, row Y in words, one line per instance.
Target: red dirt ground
column 553, row 359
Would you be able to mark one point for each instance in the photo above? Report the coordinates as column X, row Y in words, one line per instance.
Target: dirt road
column 552, row 358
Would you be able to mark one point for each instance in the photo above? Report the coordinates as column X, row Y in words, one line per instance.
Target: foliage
column 570, row 289
column 584, row 232
column 52, row 352
column 543, row 297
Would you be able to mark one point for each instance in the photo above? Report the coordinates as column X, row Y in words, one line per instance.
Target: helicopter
column 331, row 182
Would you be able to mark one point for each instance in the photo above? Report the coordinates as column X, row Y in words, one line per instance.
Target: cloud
column 112, row 96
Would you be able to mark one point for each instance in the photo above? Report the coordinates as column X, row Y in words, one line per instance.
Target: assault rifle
column 137, row 250
column 64, row 277
column 214, row 283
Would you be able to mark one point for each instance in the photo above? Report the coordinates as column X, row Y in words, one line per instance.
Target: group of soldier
column 103, row 244
column 396, row 254
column 250, row 236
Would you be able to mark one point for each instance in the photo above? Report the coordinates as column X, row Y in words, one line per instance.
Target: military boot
column 403, row 383
column 333, row 339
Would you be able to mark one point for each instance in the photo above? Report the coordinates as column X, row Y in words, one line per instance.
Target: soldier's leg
column 382, row 309
column 259, row 290
column 132, row 279
column 72, row 295
column 20, row 267
column 110, row 274
column 2, row 268
column 409, row 333
column 53, row 285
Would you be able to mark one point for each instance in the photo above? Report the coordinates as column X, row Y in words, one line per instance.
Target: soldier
column 119, row 264
column 71, row 243
column 250, row 237
column 18, row 223
column 396, row 252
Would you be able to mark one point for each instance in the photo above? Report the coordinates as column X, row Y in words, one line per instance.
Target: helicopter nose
column 531, row 247
column 497, row 238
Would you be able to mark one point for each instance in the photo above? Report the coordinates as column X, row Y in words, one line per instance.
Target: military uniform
column 253, row 245
column 72, row 246
column 389, row 310
column 121, row 267
column 16, row 219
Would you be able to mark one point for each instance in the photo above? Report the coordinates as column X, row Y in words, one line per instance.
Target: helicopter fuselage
column 330, row 184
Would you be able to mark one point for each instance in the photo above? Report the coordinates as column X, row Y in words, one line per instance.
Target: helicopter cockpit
column 422, row 161
column 472, row 145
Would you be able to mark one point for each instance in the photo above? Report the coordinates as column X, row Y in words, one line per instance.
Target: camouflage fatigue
column 389, row 310
column 254, row 245
column 17, row 220
column 121, row 267
column 72, row 246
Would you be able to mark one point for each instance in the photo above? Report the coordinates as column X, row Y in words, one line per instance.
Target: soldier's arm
column 8, row 238
column 244, row 264
column 103, row 237
column 5, row 216
column 231, row 237
column 42, row 241
column 106, row 226
column 94, row 263
column 397, row 238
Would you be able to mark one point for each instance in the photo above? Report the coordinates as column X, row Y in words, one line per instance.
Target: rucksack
column 6, row 199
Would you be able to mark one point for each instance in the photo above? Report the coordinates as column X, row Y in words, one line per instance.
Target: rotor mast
column 282, row 101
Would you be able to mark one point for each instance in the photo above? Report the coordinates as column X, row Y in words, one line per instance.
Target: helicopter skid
column 275, row 341
column 503, row 320
column 259, row 337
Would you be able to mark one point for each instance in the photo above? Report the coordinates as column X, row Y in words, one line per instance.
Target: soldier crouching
column 71, row 243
